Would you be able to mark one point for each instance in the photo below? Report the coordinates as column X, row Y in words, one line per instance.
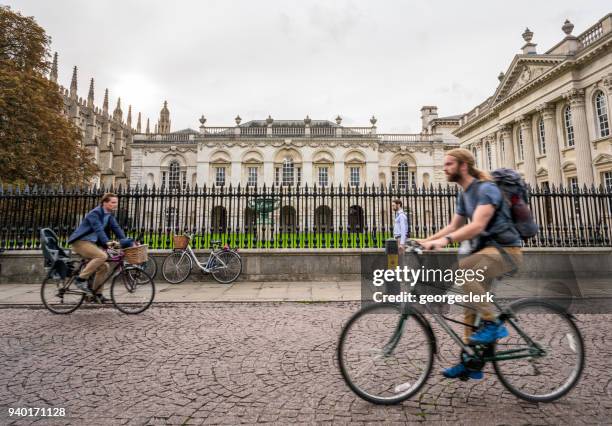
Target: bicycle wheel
column 59, row 296
column 132, row 291
column 177, row 267
column 226, row 267
column 150, row 267
column 551, row 374
column 385, row 357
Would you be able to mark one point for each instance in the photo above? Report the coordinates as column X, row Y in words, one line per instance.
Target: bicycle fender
column 428, row 329
column 553, row 306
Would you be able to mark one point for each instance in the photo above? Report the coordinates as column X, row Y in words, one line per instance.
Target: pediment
column 602, row 159
column 523, row 70
column 542, row 172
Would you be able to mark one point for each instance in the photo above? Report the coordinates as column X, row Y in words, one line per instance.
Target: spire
column 128, row 120
column 138, row 126
column 53, row 75
column 156, row 129
column 90, row 95
column 105, row 103
column 73, row 84
column 148, row 130
column 117, row 113
column 163, row 125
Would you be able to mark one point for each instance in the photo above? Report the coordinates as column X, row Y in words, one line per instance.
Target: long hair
column 464, row 156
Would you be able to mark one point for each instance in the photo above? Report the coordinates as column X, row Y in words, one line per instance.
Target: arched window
column 402, row 175
column 475, row 152
column 601, row 112
column 174, row 175
column 541, row 137
column 519, row 141
column 489, row 156
column 288, row 172
column 569, row 127
column 502, row 149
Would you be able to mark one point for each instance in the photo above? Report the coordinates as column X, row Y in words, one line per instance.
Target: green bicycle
column 386, row 350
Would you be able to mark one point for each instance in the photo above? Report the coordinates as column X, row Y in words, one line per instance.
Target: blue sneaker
column 489, row 332
column 461, row 371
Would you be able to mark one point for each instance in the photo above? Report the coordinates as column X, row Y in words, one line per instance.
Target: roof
column 289, row 123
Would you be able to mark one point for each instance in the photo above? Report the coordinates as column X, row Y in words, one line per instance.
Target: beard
column 454, row 177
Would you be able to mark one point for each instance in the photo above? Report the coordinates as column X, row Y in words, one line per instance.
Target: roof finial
column 73, row 84
column 238, row 119
column 53, row 75
column 128, row 120
column 90, row 95
column 529, row 48
column 338, row 120
column 567, row 27
column 105, row 103
column 117, row 113
column 147, row 131
column 138, row 125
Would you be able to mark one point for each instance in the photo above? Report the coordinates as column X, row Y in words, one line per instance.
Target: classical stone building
column 290, row 152
column 550, row 115
column 105, row 134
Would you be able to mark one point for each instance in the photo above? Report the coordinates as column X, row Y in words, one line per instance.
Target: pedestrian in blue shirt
column 401, row 227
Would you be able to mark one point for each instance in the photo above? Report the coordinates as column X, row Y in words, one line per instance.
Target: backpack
column 515, row 193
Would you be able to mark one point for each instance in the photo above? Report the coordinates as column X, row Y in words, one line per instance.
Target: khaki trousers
column 97, row 262
column 492, row 264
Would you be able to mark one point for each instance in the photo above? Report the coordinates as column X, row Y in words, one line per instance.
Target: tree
column 38, row 144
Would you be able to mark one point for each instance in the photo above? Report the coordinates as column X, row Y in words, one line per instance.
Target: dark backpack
column 515, row 193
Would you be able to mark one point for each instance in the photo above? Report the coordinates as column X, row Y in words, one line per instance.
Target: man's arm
column 116, row 228
column 456, row 222
column 94, row 221
column 403, row 229
column 482, row 216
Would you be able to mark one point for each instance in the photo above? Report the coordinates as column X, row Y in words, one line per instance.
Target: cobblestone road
column 246, row 363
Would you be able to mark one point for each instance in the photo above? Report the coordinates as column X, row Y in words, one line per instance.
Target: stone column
column 505, row 132
column 584, row 160
column 553, row 156
column 528, row 150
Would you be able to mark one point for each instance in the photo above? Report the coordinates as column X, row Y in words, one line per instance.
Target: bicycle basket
column 136, row 255
column 180, row 241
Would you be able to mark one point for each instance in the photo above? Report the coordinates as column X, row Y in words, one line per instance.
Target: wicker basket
column 180, row 241
column 136, row 255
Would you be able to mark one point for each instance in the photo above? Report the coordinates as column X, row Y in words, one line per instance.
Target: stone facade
column 292, row 152
column 549, row 117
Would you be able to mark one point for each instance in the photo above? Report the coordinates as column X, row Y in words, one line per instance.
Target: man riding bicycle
column 89, row 239
column 496, row 244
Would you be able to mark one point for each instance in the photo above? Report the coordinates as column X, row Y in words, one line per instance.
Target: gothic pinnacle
column 105, row 103
column 73, row 84
column 128, row 120
column 53, row 75
column 90, row 95
column 138, row 125
column 148, row 128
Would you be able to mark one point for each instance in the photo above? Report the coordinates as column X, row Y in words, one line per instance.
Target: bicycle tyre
column 50, row 288
column 172, row 262
column 546, row 336
column 150, row 267
column 229, row 258
column 132, row 278
column 377, row 327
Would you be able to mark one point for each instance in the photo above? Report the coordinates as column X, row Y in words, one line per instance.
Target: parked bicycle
column 386, row 350
column 224, row 264
column 132, row 290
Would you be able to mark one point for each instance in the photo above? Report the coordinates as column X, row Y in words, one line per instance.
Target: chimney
column 428, row 113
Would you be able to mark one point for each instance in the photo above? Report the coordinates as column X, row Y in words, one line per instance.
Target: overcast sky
column 292, row 58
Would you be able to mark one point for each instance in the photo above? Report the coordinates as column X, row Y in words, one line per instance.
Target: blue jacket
column 94, row 222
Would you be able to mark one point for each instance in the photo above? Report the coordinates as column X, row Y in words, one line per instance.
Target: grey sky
column 292, row 58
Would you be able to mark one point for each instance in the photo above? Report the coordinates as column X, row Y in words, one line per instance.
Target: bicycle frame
column 533, row 350
column 203, row 266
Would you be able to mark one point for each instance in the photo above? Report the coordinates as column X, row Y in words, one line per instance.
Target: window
column 606, row 180
column 164, row 181
column 569, row 128
column 402, row 175
column 541, row 137
column 171, row 217
column 572, row 183
column 601, row 111
column 277, row 176
column 219, row 176
column 521, row 154
column 502, row 149
column 288, row 172
column 489, row 156
column 252, row 176
column 323, row 176
column 174, row 174
column 354, row 176
column 475, row 152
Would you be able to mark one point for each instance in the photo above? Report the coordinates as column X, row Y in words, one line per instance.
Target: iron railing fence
column 289, row 217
